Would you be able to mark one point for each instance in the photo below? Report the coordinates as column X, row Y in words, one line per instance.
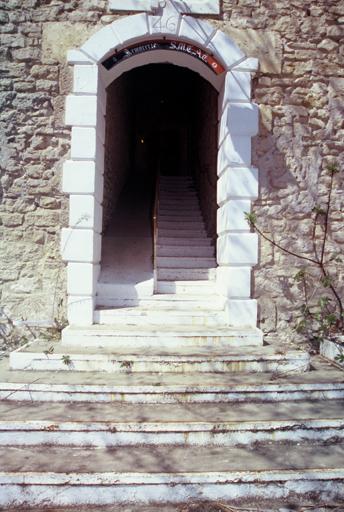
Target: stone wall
column 299, row 88
column 117, row 150
column 205, row 141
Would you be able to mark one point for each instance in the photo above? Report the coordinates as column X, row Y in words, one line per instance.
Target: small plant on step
column 321, row 314
column 67, row 360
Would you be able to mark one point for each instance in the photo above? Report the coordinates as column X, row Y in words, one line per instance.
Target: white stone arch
column 237, row 247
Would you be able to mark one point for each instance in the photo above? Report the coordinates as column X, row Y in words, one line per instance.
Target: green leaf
column 326, row 281
column 300, row 275
column 323, row 302
column 251, row 218
column 318, row 210
column 332, row 168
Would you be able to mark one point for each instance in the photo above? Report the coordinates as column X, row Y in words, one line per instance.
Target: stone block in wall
column 265, row 45
column 59, row 37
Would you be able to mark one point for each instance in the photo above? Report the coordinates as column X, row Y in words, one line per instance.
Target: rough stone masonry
column 299, row 89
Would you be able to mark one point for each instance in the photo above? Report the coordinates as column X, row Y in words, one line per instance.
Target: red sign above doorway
column 164, row 44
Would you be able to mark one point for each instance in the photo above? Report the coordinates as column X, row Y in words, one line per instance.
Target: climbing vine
column 322, row 313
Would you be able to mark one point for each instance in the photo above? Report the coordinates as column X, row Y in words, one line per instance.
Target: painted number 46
column 165, row 23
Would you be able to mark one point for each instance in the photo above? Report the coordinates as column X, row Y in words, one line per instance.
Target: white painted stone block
column 85, row 212
column 101, row 43
column 237, row 182
column 81, row 177
column 237, row 249
column 237, row 87
column 78, row 57
column 85, row 79
column 231, row 216
column 234, row 150
column 249, row 64
column 80, row 245
column 127, row 29
column 241, row 313
column 81, row 110
column 225, row 49
column 130, row 5
column 83, row 143
column 195, row 29
column 239, row 119
column 242, row 118
column 82, row 278
column 234, row 282
column 188, row 6
column 80, row 309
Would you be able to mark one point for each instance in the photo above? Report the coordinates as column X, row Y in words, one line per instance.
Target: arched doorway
column 161, row 122
column 135, row 42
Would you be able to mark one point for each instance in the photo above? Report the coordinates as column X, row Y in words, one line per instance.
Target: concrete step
column 182, row 359
column 174, row 204
column 177, row 214
column 163, row 336
column 134, row 316
column 186, row 287
column 102, row 424
column 185, row 262
column 185, row 274
column 203, row 241
column 323, row 382
column 184, row 250
column 182, row 233
column 181, row 223
column 163, row 302
column 169, row 474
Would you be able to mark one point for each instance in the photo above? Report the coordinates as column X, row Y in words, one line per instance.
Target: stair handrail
column 155, row 226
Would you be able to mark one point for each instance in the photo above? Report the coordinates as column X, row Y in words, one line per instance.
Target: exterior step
column 184, row 262
column 181, row 337
column 194, row 251
column 180, row 359
column 168, row 302
column 169, row 424
column 169, row 474
column 135, row 316
column 324, row 382
column 185, row 274
column 186, row 287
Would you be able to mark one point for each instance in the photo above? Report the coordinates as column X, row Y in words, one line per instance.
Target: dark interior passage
column 162, row 119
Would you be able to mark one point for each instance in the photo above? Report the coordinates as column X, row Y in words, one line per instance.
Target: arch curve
column 83, row 171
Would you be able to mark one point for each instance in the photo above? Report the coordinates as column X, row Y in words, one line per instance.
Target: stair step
column 184, row 262
column 177, row 241
column 180, row 223
column 169, row 474
column 139, row 316
column 185, row 251
column 187, row 274
column 181, row 359
column 169, row 424
column 325, row 382
column 166, row 337
column 179, row 217
column 186, row 287
column 181, row 204
column 182, row 233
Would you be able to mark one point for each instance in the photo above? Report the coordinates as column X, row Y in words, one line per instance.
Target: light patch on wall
column 59, row 37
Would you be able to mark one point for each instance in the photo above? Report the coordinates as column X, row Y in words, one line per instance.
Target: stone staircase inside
column 163, row 404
